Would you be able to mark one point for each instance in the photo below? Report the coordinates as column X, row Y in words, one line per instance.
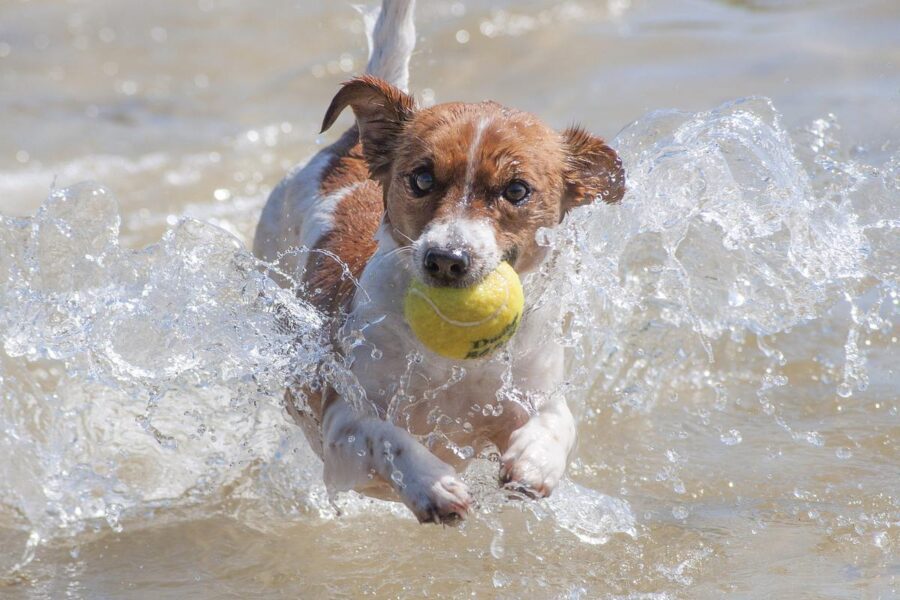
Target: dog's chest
column 466, row 402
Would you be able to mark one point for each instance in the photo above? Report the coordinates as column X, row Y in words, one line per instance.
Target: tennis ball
column 468, row 322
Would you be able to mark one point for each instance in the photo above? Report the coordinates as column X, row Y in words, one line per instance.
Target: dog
column 443, row 194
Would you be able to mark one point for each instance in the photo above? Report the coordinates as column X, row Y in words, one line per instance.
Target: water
column 732, row 324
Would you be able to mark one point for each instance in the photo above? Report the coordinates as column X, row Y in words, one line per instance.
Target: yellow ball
column 468, row 322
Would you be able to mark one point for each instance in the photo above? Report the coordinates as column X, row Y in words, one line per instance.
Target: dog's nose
column 447, row 265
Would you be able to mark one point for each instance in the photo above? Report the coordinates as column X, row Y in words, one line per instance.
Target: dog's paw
column 439, row 498
column 534, row 462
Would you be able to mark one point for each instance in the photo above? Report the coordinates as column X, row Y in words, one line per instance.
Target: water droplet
column 736, row 299
column 465, row 452
column 397, row 477
column 732, row 437
column 500, row 580
column 815, row 438
column 843, row 453
column 497, row 549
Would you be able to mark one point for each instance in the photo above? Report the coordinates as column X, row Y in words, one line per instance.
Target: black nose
column 447, row 265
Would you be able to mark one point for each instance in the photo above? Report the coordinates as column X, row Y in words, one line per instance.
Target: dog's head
column 469, row 185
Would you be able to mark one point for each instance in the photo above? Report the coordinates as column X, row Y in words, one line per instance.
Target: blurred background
column 202, row 105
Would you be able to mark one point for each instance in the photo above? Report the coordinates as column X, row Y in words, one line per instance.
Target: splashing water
column 128, row 373
column 136, row 381
column 721, row 236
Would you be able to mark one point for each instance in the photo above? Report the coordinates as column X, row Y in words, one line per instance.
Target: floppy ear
column 594, row 169
column 381, row 112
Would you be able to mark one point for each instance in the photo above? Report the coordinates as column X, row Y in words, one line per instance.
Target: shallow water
column 732, row 324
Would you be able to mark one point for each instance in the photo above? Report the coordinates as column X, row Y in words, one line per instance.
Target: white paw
column 434, row 494
column 534, row 462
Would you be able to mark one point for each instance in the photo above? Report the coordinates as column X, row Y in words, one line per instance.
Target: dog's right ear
column 594, row 169
column 381, row 111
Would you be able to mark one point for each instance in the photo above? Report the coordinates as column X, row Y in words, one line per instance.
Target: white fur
column 538, row 451
column 537, row 454
column 369, row 454
column 391, row 42
column 476, row 236
column 320, row 219
column 472, row 159
column 295, row 206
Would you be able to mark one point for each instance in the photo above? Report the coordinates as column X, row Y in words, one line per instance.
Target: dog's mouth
column 472, row 278
column 476, row 271
column 511, row 256
column 474, row 275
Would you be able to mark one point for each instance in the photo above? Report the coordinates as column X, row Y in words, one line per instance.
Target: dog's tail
column 392, row 38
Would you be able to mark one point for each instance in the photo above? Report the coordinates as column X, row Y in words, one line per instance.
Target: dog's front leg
column 535, row 455
column 360, row 451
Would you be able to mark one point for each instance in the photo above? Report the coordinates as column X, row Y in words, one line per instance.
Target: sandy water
column 732, row 325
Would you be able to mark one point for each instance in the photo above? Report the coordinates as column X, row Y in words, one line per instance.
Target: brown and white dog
column 443, row 194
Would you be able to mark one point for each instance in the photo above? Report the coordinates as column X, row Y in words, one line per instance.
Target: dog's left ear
column 593, row 169
column 382, row 111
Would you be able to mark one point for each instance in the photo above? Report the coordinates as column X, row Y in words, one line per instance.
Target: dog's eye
column 517, row 191
column 421, row 181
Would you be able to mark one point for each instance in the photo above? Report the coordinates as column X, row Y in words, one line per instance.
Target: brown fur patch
column 348, row 165
column 381, row 111
column 475, row 151
column 307, row 413
column 339, row 257
column 594, row 169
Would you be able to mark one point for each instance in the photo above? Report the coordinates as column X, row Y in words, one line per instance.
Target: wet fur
column 353, row 208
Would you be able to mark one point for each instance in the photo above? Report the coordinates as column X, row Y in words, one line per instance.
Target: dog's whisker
column 409, row 239
column 404, row 252
column 400, row 250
